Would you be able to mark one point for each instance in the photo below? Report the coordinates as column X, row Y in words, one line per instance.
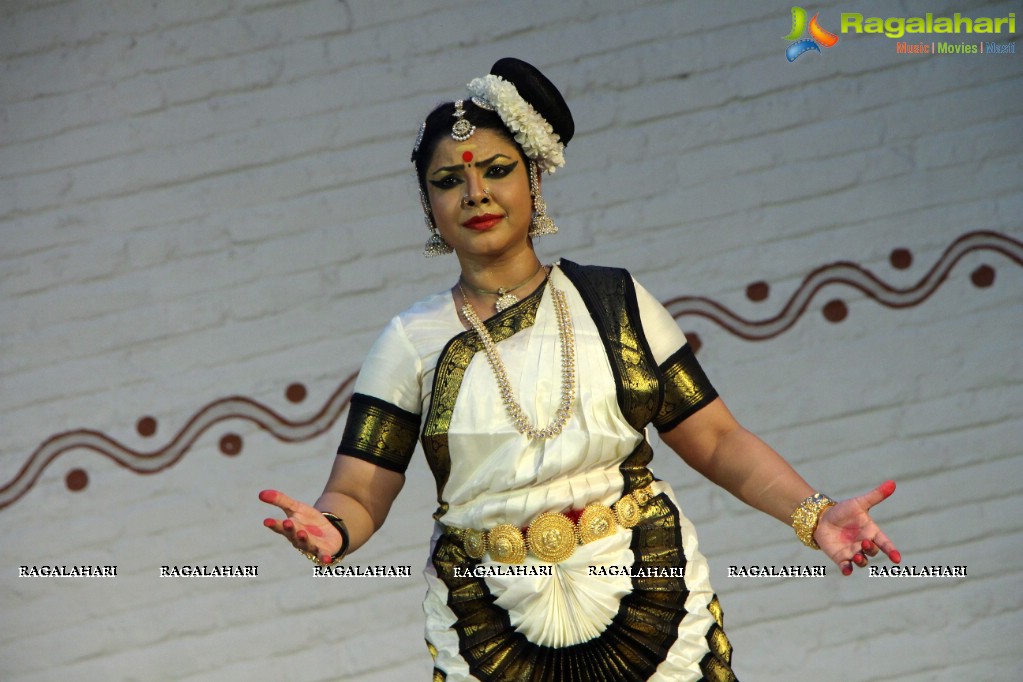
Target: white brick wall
column 210, row 199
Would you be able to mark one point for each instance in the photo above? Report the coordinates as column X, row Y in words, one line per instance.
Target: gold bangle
column 807, row 515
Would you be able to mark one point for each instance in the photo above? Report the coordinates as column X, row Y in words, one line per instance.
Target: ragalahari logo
column 818, row 36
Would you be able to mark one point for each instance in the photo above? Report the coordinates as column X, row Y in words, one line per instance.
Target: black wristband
column 343, row 530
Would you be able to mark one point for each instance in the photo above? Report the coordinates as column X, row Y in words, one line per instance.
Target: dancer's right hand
column 305, row 527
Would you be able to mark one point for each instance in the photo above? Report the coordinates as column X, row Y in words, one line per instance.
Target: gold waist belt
column 553, row 536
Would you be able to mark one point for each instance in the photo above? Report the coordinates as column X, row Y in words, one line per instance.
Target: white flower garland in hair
column 530, row 129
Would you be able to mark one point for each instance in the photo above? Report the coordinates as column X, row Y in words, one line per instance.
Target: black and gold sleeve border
column 380, row 433
column 686, row 389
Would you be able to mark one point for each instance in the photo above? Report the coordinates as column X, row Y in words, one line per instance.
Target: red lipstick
column 482, row 222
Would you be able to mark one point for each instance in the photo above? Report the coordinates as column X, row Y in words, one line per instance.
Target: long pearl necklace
column 566, row 336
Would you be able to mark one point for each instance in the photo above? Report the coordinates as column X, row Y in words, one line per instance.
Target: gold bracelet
column 807, row 515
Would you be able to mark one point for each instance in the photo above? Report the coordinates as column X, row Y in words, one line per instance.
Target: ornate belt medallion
column 552, row 536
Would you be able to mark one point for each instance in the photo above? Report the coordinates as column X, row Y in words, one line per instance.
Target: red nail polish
column 269, row 523
column 288, row 524
column 888, row 487
column 896, row 556
column 267, row 495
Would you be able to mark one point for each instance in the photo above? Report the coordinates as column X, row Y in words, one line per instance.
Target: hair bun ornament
column 531, row 108
column 539, row 91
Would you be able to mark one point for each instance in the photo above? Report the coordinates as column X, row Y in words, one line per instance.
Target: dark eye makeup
column 494, row 171
column 501, row 170
column 446, row 182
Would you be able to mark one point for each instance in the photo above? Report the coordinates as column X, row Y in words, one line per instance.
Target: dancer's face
column 479, row 194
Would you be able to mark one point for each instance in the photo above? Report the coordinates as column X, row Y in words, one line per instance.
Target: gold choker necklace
column 505, row 299
column 566, row 336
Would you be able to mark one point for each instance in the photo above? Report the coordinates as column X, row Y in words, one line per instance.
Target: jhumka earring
column 542, row 225
column 435, row 245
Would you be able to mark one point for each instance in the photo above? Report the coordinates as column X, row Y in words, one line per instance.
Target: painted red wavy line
column 239, row 407
column 233, row 407
column 851, row 275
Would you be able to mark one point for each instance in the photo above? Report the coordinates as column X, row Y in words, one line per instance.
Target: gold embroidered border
column 447, row 382
column 379, row 432
column 715, row 610
column 610, row 295
column 716, row 665
column 715, row 669
column 686, row 389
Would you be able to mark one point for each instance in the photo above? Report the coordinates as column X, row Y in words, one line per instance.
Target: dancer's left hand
column 848, row 535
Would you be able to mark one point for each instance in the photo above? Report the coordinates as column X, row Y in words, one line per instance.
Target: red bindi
column 467, row 156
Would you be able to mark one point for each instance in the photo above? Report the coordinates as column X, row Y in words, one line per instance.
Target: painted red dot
column 296, row 393
column 695, row 342
column 983, row 277
column 146, row 426
column 231, row 444
column 900, row 258
column 467, row 156
column 835, row 311
column 76, row 480
column 758, row 291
